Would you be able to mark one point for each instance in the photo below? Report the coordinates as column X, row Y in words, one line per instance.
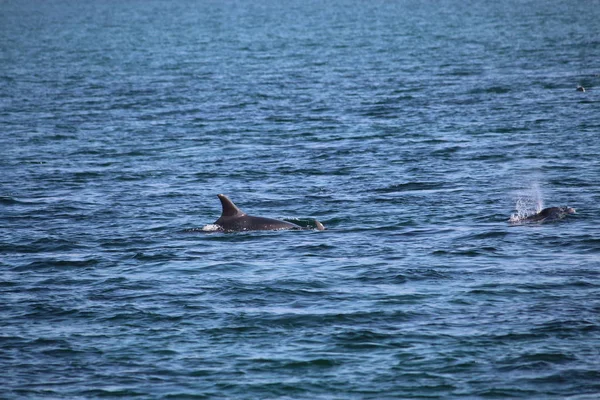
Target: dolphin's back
column 550, row 214
column 250, row 223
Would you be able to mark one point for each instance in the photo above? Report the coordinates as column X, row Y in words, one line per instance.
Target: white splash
column 528, row 203
column 212, row 228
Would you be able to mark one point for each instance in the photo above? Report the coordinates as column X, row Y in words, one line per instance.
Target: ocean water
column 411, row 129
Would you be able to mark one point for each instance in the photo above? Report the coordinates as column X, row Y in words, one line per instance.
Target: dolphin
column 550, row 214
column 233, row 220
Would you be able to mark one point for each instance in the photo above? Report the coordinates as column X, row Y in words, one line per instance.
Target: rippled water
column 412, row 130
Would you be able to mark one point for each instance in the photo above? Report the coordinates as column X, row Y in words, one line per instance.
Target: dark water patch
column 234, row 330
column 496, row 292
column 42, row 245
column 484, row 251
column 134, row 317
column 310, row 320
column 427, row 273
column 155, row 257
column 364, row 339
column 505, row 393
column 382, row 112
column 573, row 181
column 85, row 176
column 193, row 396
column 58, row 264
column 567, row 328
column 320, row 363
column 572, row 377
column 491, row 90
column 412, row 187
column 517, row 337
column 535, row 361
column 315, row 248
column 12, row 341
column 127, row 290
column 587, row 245
column 61, row 137
column 281, row 291
column 447, row 151
column 9, row 201
column 294, row 365
column 486, row 235
column 513, row 128
column 8, row 284
column 40, row 312
column 381, row 277
column 498, row 157
column 116, row 393
column 427, row 231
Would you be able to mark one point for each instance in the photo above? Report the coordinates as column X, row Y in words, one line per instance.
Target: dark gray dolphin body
column 550, row 214
column 234, row 219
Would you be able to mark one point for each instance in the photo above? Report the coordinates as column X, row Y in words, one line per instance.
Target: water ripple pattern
column 412, row 130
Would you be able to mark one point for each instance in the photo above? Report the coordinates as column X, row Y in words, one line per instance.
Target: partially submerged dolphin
column 233, row 219
column 549, row 214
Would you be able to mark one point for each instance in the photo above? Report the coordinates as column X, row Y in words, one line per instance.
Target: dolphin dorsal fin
column 229, row 209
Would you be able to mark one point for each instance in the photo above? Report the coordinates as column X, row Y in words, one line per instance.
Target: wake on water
column 303, row 223
column 212, row 228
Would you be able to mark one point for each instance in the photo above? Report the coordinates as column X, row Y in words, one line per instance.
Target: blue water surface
column 411, row 129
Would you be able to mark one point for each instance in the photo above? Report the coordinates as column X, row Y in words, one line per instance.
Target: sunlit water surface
column 412, row 130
